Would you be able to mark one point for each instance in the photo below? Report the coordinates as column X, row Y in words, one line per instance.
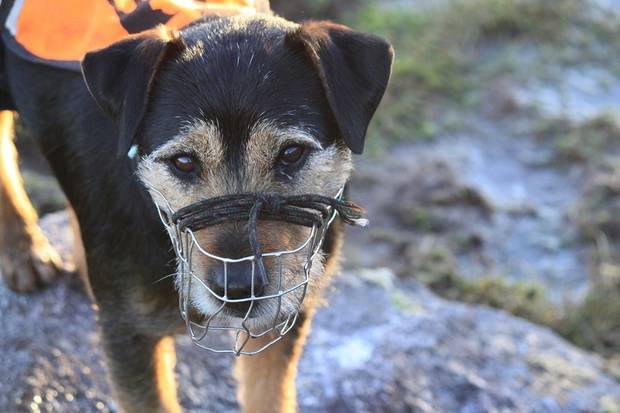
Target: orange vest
column 64, row 30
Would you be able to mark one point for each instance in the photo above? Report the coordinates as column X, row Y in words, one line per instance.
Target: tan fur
column 266, row 382
column 202, row 139
column 26, row 257
column 162, row 397
column 165, row 359
column 265, row 143
column 325, row 172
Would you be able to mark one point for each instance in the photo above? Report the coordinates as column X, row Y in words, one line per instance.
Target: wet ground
column 492, row 192
column 513, row 209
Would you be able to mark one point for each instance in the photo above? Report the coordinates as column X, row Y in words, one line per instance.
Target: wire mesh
column 219, row 332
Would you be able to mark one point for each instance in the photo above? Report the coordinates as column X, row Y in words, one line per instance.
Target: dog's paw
column 29, row 262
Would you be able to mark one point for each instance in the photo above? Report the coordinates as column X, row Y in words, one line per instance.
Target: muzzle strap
column 306, row 210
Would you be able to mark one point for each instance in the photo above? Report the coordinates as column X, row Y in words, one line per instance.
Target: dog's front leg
column 267, row 380
column 141, row 370
column 27, row 259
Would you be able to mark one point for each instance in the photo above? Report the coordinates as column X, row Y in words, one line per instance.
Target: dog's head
column 243, row 105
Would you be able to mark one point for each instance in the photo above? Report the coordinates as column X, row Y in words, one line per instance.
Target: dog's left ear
column 120, row 77
column 354, row 69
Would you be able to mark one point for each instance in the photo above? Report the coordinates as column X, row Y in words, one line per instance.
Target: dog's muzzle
column 316, row 212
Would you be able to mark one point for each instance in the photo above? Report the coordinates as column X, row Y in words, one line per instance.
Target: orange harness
column 62, row 31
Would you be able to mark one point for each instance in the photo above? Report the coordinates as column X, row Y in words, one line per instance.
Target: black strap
column 306, row 210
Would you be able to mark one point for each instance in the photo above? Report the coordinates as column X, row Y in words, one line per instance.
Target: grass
column 424, row 69
column 599, row 212
column 593, row 324
column 436, row 53
column 437, row 270
column 589, row 142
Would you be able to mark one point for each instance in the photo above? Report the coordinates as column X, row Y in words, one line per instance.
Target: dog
column 228, row 104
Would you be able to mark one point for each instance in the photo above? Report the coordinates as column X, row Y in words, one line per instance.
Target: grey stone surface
column 404, row 350
column 379, row 346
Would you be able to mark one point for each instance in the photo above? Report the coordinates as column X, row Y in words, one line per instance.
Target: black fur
column 148, row 86
column 121, row 77
column 354, row 69
column 241, row 76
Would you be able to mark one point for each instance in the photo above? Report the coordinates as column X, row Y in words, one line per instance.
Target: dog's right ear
column 120, row 77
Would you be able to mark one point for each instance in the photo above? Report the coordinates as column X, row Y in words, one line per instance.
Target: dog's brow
column 303, row 138
column 296, row 135
column 170, row 150
column 199, row 138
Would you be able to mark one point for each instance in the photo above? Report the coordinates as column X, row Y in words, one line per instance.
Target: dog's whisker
column 166, row 276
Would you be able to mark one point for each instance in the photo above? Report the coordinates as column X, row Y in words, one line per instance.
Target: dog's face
column 243, row 105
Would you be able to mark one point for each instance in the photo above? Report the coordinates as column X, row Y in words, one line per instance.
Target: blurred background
column 491, row 176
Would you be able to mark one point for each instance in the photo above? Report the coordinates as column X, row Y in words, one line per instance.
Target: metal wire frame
column 185, row 242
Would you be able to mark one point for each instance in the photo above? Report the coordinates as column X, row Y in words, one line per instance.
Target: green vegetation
column 598, row 213
column 426, row 67
column 436, row 51
column 539, row 20
column 588, row 142
column 593, row 324
column 437, row 270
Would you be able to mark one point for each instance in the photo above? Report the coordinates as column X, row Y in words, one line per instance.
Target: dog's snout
column 236, row 281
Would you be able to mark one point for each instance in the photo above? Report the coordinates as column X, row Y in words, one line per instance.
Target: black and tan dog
column 227, row 105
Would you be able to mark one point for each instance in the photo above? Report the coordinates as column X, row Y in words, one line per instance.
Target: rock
column 379, row 346
column 408, row 350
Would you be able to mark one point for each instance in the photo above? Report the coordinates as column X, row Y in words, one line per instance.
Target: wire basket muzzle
column 270, row 315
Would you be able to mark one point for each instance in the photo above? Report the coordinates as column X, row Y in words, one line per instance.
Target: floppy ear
column 354, row 69
column 120, row 77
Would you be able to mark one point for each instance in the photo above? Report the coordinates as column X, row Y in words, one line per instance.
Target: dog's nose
column 236, row 282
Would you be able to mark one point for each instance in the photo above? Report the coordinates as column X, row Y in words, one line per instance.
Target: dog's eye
column 184, row 164
column 292, row 155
